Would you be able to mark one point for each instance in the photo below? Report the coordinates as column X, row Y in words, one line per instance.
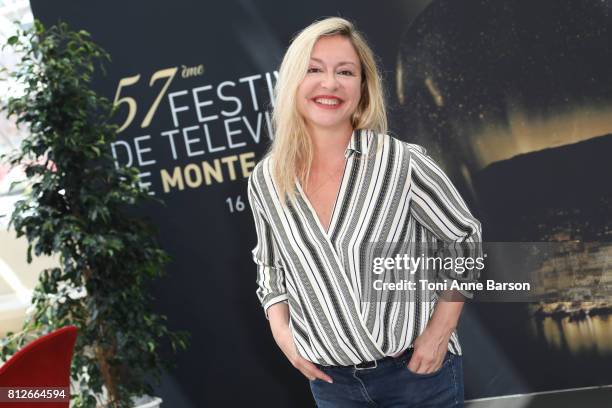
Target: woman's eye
column 345, row 72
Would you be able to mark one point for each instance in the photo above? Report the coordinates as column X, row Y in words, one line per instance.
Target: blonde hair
column 291, row 150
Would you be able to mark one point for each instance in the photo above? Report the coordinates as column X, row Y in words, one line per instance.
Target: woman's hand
column 429, row 351
column 278, row 315
column 308, row 369
column 431, row 346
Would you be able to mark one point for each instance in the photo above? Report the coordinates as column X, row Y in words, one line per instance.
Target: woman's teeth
column 328, row 101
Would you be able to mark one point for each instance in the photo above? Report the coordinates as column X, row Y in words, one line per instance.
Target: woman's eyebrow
column 340, row 63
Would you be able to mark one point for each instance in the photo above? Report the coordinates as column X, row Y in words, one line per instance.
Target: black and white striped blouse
column 391, row 191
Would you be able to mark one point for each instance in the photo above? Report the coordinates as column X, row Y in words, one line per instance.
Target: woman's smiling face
column 331, row 89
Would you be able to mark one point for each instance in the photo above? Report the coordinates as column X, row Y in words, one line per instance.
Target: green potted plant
column 76, row 206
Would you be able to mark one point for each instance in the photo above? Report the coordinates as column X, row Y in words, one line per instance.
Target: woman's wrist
column 287, row 346
column 445, row 318
column 439, row 334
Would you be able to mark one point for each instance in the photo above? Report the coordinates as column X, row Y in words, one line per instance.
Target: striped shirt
column 391, row 191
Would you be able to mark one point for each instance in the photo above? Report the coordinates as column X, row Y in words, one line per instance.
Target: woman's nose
column 330, row 81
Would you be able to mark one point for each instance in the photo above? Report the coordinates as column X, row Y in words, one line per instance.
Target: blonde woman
column 332, row 181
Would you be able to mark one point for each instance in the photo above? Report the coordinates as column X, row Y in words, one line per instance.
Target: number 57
column 167, row 73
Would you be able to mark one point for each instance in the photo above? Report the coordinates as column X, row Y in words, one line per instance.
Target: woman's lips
column 328, row 105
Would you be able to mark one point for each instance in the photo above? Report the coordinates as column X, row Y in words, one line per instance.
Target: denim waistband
column 385, row 361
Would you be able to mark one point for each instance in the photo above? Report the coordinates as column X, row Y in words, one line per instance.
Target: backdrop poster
column 513, row 98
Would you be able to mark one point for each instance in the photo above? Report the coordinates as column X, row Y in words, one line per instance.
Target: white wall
column 17, row 279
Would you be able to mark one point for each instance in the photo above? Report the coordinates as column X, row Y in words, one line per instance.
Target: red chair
column 44, row 362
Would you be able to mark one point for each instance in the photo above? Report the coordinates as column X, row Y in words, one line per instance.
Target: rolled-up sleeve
column 437, row 205
column 270, row 271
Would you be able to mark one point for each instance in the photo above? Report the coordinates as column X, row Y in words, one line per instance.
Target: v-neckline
column 313, row 212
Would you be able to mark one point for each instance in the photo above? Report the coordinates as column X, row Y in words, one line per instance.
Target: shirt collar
column 359, row 142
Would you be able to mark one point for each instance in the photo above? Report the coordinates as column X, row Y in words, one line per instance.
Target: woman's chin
column 326, row 123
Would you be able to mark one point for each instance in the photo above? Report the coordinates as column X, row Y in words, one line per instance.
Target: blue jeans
column 391, row 385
